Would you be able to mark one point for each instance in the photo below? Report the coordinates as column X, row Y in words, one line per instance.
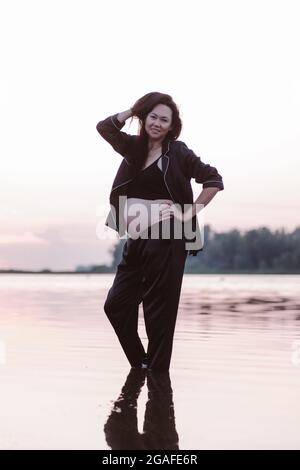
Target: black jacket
column 179, row 165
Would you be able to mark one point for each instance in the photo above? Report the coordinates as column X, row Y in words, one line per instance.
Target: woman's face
column 159, row 122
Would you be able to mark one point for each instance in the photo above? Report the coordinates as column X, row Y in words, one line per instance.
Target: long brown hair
column 142, row 107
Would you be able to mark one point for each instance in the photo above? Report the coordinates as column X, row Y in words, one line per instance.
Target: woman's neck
column 152, row 146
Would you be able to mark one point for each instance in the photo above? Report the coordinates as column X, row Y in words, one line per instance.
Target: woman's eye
column 164, row 120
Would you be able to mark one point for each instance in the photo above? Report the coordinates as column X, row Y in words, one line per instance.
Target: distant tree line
column 255, row 251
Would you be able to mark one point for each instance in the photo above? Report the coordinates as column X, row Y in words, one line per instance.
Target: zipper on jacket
column 122, row 184
column 166, row 173
column 166, row 182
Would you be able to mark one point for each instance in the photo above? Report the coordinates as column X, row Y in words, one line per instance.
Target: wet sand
column 234, row 381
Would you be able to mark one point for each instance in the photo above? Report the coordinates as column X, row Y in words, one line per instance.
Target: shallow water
column 234, row 380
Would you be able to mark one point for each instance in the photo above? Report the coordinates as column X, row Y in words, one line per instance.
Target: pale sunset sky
column 231, row 66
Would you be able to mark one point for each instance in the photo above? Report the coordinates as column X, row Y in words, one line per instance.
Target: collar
column 166, row 146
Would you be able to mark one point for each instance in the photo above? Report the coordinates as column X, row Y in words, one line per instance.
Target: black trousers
column 150, row 271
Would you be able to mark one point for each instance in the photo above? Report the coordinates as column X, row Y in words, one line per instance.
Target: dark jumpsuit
column 150, row 271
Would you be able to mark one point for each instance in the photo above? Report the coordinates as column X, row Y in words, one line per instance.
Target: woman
column 153, row 181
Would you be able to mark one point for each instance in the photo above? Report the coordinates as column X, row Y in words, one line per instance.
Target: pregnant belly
column 140, row 214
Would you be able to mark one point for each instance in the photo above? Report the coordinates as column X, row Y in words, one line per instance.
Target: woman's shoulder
column 180, row 144
column 180, row 147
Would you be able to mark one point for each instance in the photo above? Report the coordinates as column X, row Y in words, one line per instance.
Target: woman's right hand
column 165, row 211
column 143, row 105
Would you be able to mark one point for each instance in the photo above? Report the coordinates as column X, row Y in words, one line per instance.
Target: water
column 234, row 380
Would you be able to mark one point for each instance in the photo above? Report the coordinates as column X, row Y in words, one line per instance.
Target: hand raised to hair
column 143, row 105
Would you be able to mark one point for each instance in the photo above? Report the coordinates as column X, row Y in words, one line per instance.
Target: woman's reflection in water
column 121, row 431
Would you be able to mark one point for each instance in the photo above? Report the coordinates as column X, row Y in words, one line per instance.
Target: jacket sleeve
column 194, row 167
column 110, row 130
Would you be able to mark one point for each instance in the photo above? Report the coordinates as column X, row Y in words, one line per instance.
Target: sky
column 232, row 69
